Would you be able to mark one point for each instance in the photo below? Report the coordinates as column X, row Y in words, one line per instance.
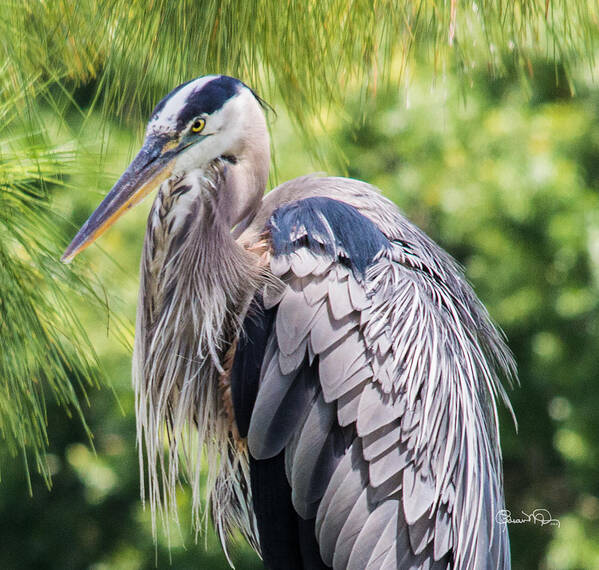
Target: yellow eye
column 198, row 126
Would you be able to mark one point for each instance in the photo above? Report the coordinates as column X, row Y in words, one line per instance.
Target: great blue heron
column 338, row 370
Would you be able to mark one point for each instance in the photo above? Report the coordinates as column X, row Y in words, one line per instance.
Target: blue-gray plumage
column 339, row 371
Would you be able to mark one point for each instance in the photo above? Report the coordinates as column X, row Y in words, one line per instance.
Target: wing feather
column 370, row 534
column 379, row 387
column 377, row 410
column 443, row 533
column 281, row 403
column 347, row 484
column 315, row 289
column 303, row 262
column 348, row 404
column 421, row 533
column 327, row 330
column 317, row 453
column 388, row 464
column 294, row 319
column 419, row 492
column 386, row 543
column 340, row 302
column 378, row 442
column 352, row 526
column 288, row 363
column 340, row 362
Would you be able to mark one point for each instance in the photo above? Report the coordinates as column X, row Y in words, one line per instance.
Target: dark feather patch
column 324, row 224
column 309, row 546
column 245, row 375
column 230, row 158
column 210, row 98
column 276, row 518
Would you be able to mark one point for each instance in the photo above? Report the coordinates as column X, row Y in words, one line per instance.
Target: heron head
column 199, row 121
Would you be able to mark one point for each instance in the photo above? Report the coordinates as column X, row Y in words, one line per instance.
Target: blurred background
column 498, row 162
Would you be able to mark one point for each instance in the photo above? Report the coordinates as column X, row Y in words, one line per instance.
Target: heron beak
column 152, row 165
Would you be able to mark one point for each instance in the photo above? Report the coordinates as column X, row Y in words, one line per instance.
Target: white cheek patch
column 192, row 158
column 221, row 136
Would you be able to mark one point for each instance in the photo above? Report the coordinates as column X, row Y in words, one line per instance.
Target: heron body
column 338, row 370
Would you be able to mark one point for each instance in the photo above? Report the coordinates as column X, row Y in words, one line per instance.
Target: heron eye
column 198, row 126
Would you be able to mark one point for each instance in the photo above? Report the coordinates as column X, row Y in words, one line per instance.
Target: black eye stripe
column 208, row 99
column 229, row 158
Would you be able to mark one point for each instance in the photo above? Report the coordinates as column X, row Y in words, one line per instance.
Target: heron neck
column 189, row 247
column 245, row 174
column 195, row 284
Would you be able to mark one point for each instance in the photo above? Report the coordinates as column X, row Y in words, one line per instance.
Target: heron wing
column 372, row 433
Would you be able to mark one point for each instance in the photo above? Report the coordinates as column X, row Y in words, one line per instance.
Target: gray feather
column 347, row 484
column 348, row 403
column 281, row 403
column 377, row 442
column 343, row 470
column 448, row 496
column 351, row 529
column 340, row 362
column 290, row 452
column 357, row 294
column 389, row 488
column 377, row 409
column 390, row 561
column 303, row 262
column 443, row 532
column 324, row 263
column 314, row 459
column 383, row 345
column 371, row 532
column 388, row 464
column 411, row 419
column 418, row 493
column 315, row 289
column 349, row 383
column 272, row 293
column 384, row 370
column 291, row 362
column 326, row 330
column 421, row 533
column 294, row 319
column 280, row 264
column 340, row 302
column 270, row 355
column 386, row 543
column 402, row 547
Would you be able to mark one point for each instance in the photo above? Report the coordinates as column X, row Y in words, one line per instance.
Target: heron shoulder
column 354, row 192
column 326, row 225
column 368, row 201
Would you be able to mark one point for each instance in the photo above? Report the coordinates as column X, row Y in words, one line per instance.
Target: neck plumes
column 196, row 284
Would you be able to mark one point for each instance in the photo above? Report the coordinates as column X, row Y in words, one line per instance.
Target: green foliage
column 92, row 517
column 45, row 349
column 307, row 52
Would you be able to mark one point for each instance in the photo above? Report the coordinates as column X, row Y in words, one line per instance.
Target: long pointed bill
column 149, row 168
